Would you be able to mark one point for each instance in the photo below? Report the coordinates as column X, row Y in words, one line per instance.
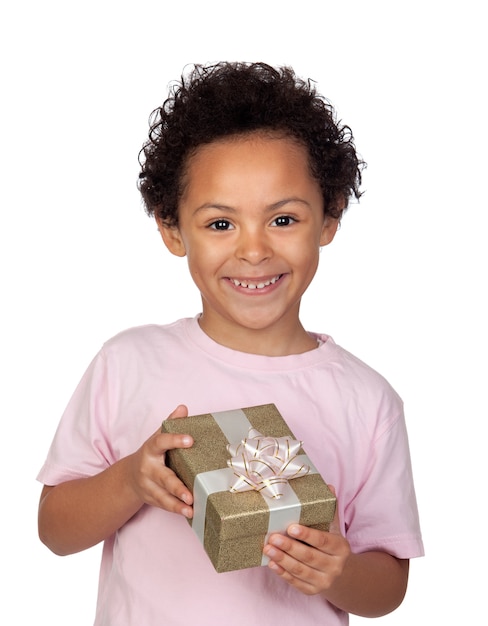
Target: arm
column 78, row 514
column 370, row 584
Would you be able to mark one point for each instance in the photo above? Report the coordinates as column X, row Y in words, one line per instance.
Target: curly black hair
column 217, row 101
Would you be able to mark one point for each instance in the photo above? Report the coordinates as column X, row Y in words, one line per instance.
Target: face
column 251, row 225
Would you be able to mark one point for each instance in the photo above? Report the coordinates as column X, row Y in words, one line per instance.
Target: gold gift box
column 233, row 527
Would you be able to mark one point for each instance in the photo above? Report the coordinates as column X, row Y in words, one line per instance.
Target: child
column 247, row 175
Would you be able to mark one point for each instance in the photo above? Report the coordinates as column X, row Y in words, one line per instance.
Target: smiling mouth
column 248, row 284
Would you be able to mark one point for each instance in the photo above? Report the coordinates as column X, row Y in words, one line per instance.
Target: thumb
column 335, row 527
column 180, row 411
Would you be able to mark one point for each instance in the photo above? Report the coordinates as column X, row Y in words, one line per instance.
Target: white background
column 402, row 286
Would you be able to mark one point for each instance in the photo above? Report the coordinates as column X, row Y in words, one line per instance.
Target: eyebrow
column 269, row 209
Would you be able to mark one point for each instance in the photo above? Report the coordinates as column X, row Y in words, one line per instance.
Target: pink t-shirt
column 154, row 570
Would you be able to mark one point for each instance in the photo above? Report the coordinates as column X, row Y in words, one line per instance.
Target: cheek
column 193, row 264
column 202, row 263
column 305, row 252
column 308, row 261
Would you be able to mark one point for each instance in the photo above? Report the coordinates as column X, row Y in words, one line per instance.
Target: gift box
column 236, row 506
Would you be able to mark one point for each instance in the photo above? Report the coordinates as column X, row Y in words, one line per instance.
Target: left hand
column 310, row 560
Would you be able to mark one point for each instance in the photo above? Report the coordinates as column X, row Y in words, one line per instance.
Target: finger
column 305, row 544
column 171, row 441
column 180, row 411
column 326, row 542
column 159, row 485
column 182, row 498
column 298, row 564
column 175, row 486
column 175, row 496
column 168, row 479
column 160, row 497
column 294, row 546
column 310, row 563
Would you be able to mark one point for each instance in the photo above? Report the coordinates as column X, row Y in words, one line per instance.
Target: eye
column 283, row 220
column 221, row 225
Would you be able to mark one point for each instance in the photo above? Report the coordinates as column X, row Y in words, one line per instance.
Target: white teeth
column 249, row 285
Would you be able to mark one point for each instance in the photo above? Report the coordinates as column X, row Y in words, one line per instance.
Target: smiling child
column 247, row 174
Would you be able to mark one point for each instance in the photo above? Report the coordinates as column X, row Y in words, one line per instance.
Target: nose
column 253, row 246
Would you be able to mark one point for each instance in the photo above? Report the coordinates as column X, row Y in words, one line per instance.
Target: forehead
column 256, row 140
column 245, row 161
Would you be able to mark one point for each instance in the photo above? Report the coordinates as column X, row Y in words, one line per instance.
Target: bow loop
column 265, row 464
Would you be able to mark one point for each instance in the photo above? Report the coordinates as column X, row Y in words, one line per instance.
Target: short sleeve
column 383, row 515
column 81, row 445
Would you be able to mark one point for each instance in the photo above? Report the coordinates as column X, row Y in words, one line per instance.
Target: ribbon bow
column 265, row 463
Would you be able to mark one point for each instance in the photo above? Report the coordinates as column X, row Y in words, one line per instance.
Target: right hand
column 151, row 480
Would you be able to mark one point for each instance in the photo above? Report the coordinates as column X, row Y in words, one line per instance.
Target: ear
column 329, row 229
column 172, row 238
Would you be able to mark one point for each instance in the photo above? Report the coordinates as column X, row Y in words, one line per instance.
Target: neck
column 263, row 341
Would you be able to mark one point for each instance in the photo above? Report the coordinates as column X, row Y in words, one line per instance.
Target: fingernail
column 276, row 540
column 294, row 531
column 187, row 441
column 271, row 553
